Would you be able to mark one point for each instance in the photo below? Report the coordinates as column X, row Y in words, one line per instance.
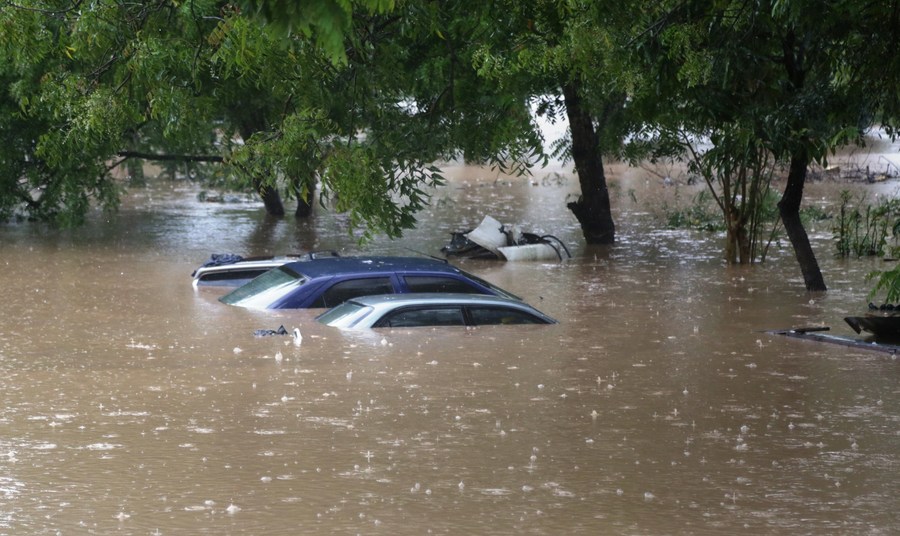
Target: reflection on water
column 132, row 403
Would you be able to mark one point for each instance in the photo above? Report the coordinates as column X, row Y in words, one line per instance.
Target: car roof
column 383, row 303
column 271, row 262
column 424, row 298
column 369, row 264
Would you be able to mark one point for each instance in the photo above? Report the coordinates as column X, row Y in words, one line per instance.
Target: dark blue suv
column 326, row 282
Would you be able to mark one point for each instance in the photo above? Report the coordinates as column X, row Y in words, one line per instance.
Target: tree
column 708, row 106
column 561, row 54
column 405, row 97
column 88, row 83
column 737, row 170
column 781, row 70
column 326, row 22
column 284, row 115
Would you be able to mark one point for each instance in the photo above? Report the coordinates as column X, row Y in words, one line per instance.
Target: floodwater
column 131, row 403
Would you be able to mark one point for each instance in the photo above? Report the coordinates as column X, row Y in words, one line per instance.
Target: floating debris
column 494, row 240
column 270, row 332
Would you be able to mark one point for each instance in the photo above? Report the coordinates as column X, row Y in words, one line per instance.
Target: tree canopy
column 767, row 83
column 354, row 100
column 98, row 82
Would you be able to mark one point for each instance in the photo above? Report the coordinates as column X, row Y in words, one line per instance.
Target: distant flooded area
column 132, row 403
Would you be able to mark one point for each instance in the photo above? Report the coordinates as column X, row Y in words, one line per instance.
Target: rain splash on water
column 132, row 403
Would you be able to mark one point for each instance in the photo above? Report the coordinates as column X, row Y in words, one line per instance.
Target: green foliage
column 701, row 214
column 535, row 47
column 77, row 86
column 360, row 179
column 327, row 22
column 744, row 87
column 358, row 96
column 863, row 230
column 887, row 283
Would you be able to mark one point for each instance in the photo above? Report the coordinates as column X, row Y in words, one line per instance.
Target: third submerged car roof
column 375, row 264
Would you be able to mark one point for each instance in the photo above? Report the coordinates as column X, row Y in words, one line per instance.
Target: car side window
column 410, row 318
column 484, row 316
column 342, row 291
column 427, row 283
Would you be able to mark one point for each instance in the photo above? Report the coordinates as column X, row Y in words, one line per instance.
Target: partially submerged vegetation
column 863, row 229
column 860, row 228
column 702, row 213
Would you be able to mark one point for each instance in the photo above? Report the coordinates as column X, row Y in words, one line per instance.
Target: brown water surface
column 131, row 403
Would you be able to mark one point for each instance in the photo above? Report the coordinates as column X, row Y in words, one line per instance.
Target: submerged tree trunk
column 270, row 197
column 304, row 203
column 789, row 208
column 592, row 208
column 794, row 51
column 737, row 241
column 249, row 123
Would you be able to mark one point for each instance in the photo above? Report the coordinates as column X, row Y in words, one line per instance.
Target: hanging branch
column 171, row 157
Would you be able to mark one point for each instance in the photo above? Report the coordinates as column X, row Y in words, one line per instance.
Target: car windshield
column 497, row 290
column 338, row 316
column 256, row 289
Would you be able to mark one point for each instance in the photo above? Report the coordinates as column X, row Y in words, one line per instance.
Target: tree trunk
column 789, row 208
column 304, row 205
column 592, row 208
column 746, row 249
column 737, row 236
column 250, row 123
column 270, row 197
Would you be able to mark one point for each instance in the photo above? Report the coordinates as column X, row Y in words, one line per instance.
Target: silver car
column 230, row 270
column 432, row 309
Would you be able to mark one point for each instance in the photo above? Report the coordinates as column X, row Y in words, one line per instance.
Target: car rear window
column 269, row 280
column 228, row 277
column 348, row 289
column 427, row 283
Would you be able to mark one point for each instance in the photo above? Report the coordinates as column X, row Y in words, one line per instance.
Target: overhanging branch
column 171, row 157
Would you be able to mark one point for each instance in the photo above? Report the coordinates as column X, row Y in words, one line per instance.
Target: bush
column 864, row 230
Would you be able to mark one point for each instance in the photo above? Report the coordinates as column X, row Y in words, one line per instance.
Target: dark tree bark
column 794, row 56
column 789, row 208
column 250, row 121
column 270, row 197
column 592, row 208
column 304, row 206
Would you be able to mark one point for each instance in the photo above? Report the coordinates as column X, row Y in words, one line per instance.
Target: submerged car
column 327, row 282
column 230, row 270
column 420, row 310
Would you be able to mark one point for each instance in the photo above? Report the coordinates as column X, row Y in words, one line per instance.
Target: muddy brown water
column 131, row 403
